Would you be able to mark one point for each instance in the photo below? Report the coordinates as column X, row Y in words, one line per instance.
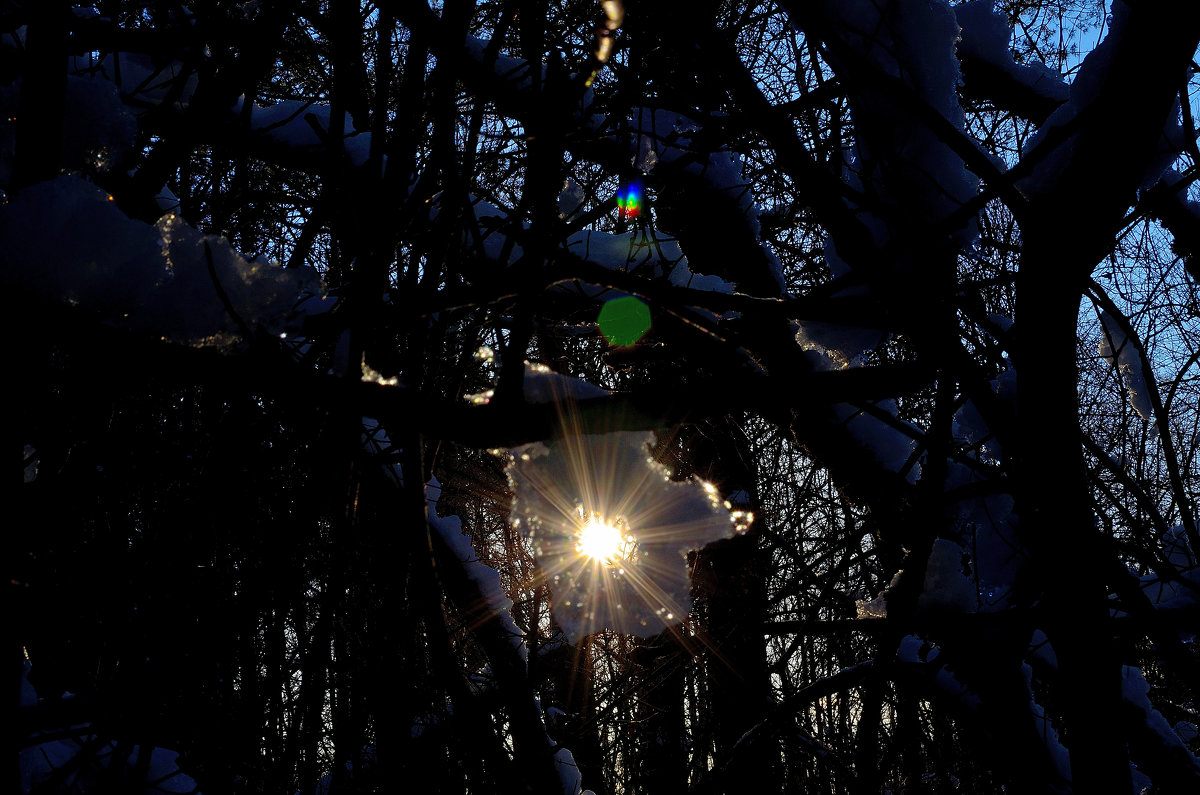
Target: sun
column 609, row 527
column 601, row 541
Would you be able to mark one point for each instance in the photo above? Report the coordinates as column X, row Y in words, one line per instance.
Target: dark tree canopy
column 636, row 397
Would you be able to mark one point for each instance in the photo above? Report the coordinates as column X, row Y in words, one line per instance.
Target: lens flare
column 630, row 199
column 624, row 321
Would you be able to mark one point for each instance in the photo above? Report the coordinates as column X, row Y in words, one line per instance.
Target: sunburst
column 602, row 541
column 610, row 529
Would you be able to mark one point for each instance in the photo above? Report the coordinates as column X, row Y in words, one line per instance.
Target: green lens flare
column 623, row 321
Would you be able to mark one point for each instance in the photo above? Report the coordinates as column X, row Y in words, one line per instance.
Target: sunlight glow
column 611, row 531
column 601, row 541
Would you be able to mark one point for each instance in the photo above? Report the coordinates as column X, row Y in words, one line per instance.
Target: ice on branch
column 611, row 530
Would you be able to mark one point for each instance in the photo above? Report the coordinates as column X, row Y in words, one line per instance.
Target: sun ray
column 610, row 529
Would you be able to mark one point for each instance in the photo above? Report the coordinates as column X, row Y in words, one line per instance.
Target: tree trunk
column 574, row 682
column 1056, row 521
column 660, row 715
column 729, row 581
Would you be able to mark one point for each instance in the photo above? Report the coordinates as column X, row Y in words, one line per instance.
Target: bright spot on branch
column 614, row 15
column 372, row 376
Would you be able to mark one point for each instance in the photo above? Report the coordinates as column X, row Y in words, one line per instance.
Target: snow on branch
column 710, row 193
column 1160, row 752
column 1031, row 89
column 493, row 601
column 85, row 759
column 640, row 252
column 304, row 127
column 99, row 130
column 476, row 589
column 1124, row 352
column 911, row 160
column 68, row 243
column 669, row 145
column 898, row 155
column 1104, row 113
column 643, row 253
column 580, row 486
column 142, row 81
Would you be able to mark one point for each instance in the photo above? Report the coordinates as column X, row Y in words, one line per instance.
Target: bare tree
column 897, row 298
